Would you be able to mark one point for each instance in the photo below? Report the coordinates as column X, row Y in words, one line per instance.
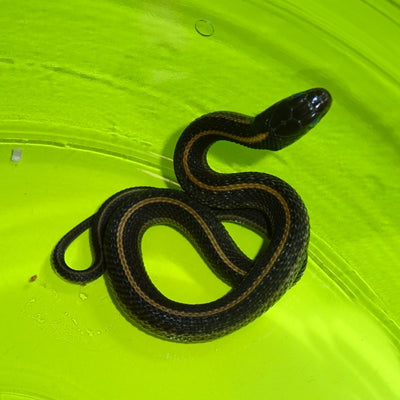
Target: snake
column 206, row 199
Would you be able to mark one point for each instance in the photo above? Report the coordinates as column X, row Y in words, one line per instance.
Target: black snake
column 258, row 200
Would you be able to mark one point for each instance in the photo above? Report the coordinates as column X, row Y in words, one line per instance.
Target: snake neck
column 190, row 159
column 273, row 198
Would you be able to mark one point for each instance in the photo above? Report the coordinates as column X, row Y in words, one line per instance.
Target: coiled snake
column 259, row 200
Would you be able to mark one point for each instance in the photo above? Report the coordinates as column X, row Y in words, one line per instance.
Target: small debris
column 16, row 155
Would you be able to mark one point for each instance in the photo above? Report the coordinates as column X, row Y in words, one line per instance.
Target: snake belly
column 255, row 199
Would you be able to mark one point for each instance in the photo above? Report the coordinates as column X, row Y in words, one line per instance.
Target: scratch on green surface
column 351, row 283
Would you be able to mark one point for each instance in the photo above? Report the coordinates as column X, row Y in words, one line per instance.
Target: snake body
column 258, row 200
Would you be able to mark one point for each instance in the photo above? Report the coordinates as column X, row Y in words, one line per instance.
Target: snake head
column 289, row 119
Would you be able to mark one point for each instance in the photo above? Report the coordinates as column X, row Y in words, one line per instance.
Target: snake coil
column 259, row 200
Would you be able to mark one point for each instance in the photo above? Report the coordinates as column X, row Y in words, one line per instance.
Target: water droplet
column 204, row 27
column 83, row 296
column 39, row 318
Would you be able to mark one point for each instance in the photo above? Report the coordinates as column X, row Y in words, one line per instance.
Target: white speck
column 16, row 155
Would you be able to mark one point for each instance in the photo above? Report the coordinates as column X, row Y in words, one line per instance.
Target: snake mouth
column 309, row 107
column 320, row 101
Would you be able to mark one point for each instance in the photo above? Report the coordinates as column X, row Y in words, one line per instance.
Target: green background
column 95, row 93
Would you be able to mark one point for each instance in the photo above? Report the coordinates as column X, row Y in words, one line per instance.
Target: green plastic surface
column 95, row 94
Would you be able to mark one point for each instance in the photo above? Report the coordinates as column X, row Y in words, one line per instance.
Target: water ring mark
column 204, row 27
